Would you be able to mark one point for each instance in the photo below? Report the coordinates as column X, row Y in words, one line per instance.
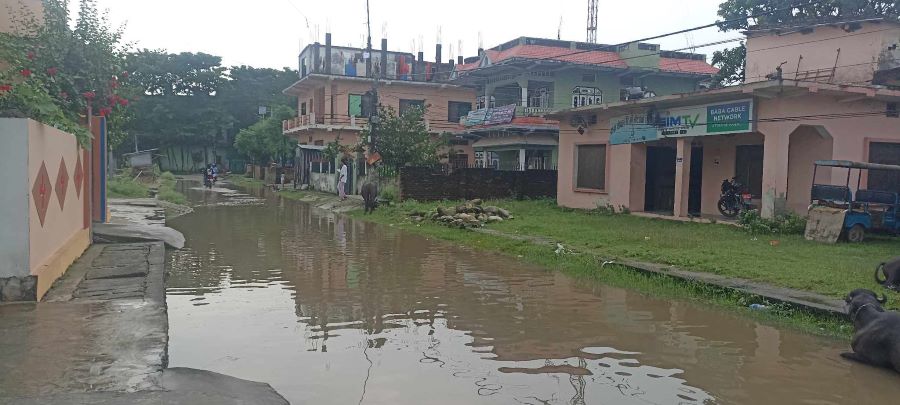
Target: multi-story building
column 333, row 84
column 825, row 91
column 522, row 80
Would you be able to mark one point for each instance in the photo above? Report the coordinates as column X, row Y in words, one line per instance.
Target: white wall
column 14, row 199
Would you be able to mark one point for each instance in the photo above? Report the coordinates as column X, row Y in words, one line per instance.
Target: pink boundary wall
column 62, row 237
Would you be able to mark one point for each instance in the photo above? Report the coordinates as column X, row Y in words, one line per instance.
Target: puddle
column 329, row 310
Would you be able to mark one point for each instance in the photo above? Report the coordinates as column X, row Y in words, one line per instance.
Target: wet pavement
column 329, row 310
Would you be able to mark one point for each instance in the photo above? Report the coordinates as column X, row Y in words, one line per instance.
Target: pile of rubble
column 472, row 214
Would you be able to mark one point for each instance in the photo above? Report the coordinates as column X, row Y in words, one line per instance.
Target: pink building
column 812, row 92
column 333, row 86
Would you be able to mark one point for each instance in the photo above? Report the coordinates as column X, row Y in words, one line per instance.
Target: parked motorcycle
column 734, row 199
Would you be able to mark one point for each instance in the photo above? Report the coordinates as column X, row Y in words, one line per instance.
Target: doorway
column 889, row 154
column 748, row 168
column 695, row 192
column 659, row 189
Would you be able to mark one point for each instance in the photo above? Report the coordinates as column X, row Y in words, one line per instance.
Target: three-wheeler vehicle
column 839, row 213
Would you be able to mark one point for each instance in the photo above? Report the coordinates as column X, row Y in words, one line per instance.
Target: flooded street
column 329, row 310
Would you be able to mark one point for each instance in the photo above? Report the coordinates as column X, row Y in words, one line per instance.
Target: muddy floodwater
column 330, row 310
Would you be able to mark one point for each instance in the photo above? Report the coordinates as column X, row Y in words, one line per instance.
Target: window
column 302, row 109
column 590, row 163
column 749, row 168
column 457, row 109
column 407, row 104
column 582, row 96
column 355, row 105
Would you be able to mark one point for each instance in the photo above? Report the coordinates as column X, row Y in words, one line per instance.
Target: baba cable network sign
column 733, row 117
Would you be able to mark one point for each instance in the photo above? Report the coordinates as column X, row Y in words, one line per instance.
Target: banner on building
column 491, row 116
column 732, row 117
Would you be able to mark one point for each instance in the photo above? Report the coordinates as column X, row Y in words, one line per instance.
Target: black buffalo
column 891, row 272
column 370, row 196
column 876, row 338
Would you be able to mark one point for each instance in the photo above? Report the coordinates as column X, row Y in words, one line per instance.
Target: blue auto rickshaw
column 839, row 213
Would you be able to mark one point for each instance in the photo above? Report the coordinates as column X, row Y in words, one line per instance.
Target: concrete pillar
column 682, row 176
column 384, row 59
column 485, row 160
column 525, row 96
column 329, row 100
column 328, row 53
column 522, row 159
column 775, row 167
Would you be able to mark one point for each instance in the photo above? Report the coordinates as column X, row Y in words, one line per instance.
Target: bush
column 167, row 189
column 787, row 224
column 124, row 187
column 389, row 193
column 168, row 176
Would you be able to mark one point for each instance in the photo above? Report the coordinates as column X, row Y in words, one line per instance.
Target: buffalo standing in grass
column 370, row 196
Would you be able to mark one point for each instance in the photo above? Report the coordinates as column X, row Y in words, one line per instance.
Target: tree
column 731, row 65
column 54, row 72
column 246, row 88
column 264, row 141
column 190, row 99
column 178, row 105
column 404, row 140
column 736, row 15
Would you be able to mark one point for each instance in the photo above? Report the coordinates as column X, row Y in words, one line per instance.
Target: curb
column 806, row 300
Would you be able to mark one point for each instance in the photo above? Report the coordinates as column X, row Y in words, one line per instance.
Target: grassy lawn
column 716, row 248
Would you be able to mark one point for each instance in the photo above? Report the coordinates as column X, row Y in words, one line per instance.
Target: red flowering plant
column 44, row 66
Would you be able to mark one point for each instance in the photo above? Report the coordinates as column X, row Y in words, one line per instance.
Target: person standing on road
column 342, row 180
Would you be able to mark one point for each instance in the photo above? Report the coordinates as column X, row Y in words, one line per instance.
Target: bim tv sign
column 700, row 120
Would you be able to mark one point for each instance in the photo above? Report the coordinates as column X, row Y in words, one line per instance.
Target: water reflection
column 332, row 310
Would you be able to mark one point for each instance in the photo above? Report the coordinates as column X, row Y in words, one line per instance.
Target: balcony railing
column 343, row 121
column 308, row 121
column 533, row 111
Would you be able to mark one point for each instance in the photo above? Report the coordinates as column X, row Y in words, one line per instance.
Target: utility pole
column 373, row 107
column 592, row 22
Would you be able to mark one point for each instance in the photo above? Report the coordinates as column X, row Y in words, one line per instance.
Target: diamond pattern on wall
column 40, row 192
column 62, row 183
column 78, row 176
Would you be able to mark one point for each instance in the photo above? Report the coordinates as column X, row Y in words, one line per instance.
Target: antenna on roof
column 592, row 22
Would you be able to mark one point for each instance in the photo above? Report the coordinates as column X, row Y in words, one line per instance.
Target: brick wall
column 424, row 184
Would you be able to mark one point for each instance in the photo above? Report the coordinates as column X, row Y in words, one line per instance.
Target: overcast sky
column 270, row 33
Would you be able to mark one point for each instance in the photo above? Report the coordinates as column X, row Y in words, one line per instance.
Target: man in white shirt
column 342, row 180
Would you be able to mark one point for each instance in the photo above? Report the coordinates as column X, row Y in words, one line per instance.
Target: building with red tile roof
column 522, row 80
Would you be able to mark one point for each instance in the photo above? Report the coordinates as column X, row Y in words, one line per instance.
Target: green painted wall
column 664, row 85
column 639, row 58
column 565, row 81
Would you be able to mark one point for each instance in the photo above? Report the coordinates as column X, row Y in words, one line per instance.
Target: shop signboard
column 731, row 117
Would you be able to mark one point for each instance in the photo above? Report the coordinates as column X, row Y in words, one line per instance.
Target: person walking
column 342, row 180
